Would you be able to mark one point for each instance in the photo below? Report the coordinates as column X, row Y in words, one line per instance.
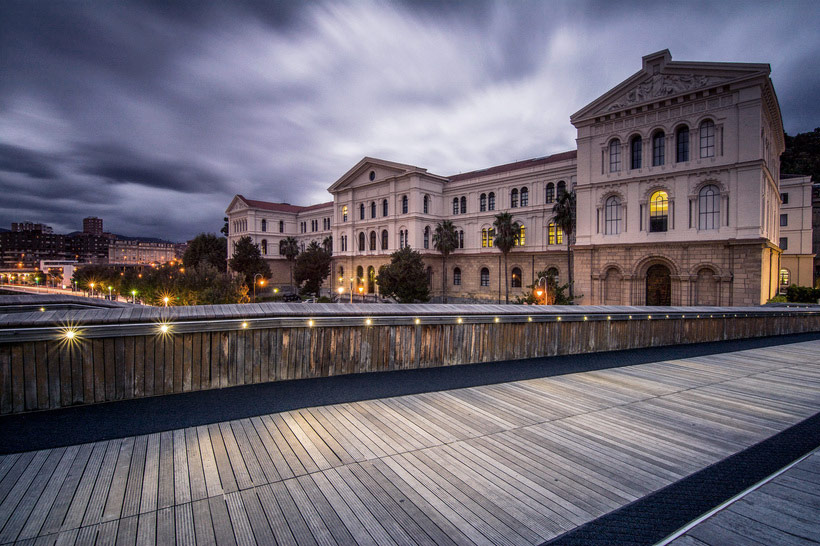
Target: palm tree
column 289, row 248
column 564, row 210
column 506, row 236
column 445, row 240
column 327, row 243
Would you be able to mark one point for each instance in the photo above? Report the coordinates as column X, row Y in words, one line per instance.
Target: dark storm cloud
column 153, row 114
column 28, row 162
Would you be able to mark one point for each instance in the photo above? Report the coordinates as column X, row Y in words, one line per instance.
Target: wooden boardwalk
column 513, row 463
column 783, row 511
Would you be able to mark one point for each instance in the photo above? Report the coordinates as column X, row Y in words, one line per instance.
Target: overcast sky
column 152, row 115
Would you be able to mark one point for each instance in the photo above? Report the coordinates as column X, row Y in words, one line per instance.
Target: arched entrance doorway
column 658, row 285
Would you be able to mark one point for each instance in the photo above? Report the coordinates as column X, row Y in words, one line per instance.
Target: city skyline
column 153, row 117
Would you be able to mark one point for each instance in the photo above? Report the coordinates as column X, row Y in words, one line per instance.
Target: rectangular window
column 784, row 243
column 784, row 220
column 784, row 197
column 457, row 277
column 455, row 206
column 658, row 150
column 281, row 226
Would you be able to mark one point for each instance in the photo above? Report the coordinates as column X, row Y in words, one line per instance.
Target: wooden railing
column 54, row 359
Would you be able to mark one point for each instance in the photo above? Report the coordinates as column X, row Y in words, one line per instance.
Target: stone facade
column 678, row 200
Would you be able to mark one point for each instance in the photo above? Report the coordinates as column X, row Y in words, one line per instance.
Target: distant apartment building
column 142, row 252
column 28, row 243
column 797, row 259
column 93, row 225
column 31, row 226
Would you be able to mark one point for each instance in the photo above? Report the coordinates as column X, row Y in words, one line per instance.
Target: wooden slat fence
column 52, row 373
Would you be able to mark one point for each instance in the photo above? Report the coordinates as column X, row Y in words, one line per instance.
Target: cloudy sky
column 153, row 114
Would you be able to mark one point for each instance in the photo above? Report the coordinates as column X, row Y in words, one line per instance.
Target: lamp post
column 133, row 296
column 361, row 292
column 261, row 283
column 92, row 288
column 165, row 300
column 109, row 292
column 539, row 291
column 340, row 290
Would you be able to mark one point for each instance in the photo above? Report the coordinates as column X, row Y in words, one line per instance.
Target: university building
column 679, row 202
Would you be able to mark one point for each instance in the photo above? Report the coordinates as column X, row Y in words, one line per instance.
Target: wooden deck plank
column 209, row 467
column 203, row 525
column 150, row 476
column 196, row 473
column 182, row 484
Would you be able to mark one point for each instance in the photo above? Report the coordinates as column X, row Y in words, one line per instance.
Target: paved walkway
column 783, row 511
column 512, row 463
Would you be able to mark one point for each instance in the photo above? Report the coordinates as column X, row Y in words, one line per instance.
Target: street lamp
column 109, row 292
column 261, row 283
column 165, row 300
column 541, row 291
column 340, row 290
column 361, row 292
column 91, row 284
column 133, row 296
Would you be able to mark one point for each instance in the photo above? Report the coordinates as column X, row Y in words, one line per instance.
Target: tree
column 404, row 278
column 564, row 210
column 312, row 268
column 289, row 248
column 224, row 230
column 507, row 232
column 327, row 244
column 553, row 293
column 445, row 240
column 247, row 261
column 802, row 155
column 207, row 248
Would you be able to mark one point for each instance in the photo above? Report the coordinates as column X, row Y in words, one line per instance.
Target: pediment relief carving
column 663, row 85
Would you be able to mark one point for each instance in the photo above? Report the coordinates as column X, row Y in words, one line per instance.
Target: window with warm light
column 659, row 211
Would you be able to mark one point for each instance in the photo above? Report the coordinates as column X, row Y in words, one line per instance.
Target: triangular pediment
column 237, row 203
column 381, row 169
column 661, row 79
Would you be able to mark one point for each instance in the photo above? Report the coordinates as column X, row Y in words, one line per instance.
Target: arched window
column 455, row 205
column 561, row 189
column 707, row 138
column 491, row 201
column 372, row 209
column 615, row 156
column 658, row 148
column 525, row 197
column 485, row 276
column 550, row 193
column 522, row 236
column 404, row 204
column 484, row 238
column 463, row 205
column 785, row 279
column 426, row 236
column 344, row 214
column 482, row 202
column 555, row 235
column 457, row 276
column 361, row 211
column 515, row 278
column 361, row 241
column 461, row 239
column 682, row 144
column 341, row 274
column 384, row 239
column 372, row 240
column 659, row 211
column 264, row 225
column 401, row 238
column 264, row 246
column 636, row 148
column 384, row 207
column 426, row 204
column 708, row 207
column 612, row 216
column 514, row 198
column 359, row 275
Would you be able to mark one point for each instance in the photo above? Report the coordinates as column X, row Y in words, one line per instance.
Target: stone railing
column 52, row 359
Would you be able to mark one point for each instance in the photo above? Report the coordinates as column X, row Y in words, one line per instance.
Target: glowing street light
column 165, row 300
column 91, row 284
column 261, row 283
column 361, row 292
column 541, row 291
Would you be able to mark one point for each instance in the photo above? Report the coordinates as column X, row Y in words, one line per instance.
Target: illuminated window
column 659, row 211
column 264, row 246
column 522, row 237
column 555, row 235
column 344, row 215
column 785, row 277
column 515, row 279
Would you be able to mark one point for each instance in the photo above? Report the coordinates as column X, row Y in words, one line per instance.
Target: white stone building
column 678, row 201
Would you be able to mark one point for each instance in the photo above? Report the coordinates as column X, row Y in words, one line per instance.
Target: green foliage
column 248, row 262
column 404, row 278
column 202, row 285
column 802, row 155
column 564, row 210
column 555, row 294
column 780, row 298
column 289, row 248
column 506, row 235
column 207, row 248
column 312, row 267
column 802, row 294
column 445, row 240
column 224, row 230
